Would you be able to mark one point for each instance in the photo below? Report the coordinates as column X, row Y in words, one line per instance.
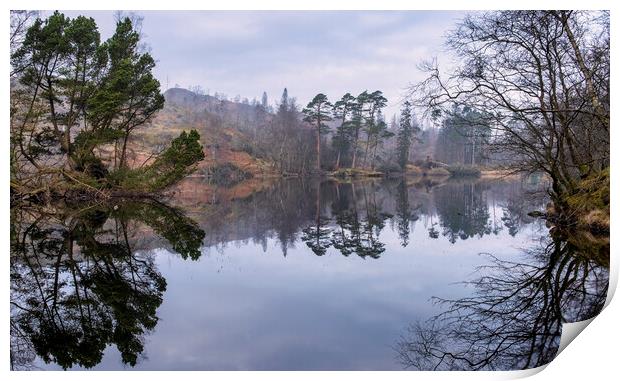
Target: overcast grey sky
column 247, row 52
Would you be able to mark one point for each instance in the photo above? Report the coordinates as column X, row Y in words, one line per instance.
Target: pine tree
column 317, row 112
column 264, row 102
column 83, row 94
column 380, row 133
column 357, row 122
column 343, row 109
column 375, row 102
column 404, row 136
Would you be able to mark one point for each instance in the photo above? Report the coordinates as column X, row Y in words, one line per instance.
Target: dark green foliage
column 369, row 119
column 171, row 166
column 83, row 156
column 77, row 95
column 129, row 93
column 57, row 64
column 317, row 112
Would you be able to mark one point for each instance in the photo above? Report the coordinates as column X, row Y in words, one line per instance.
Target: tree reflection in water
column 359, row 212
column 463, row 210
column 356, row 230
column 78, row 284
column 83, row 280
column 288, row 212
column 515, row 317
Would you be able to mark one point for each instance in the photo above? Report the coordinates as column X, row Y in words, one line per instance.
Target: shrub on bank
column 227, row 174
column 389, row 167
column 463, row 170
column 438, row 172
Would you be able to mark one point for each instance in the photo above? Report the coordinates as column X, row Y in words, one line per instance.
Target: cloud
column 248, row 52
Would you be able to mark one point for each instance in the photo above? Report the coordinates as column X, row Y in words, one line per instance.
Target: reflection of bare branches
column 514, row 319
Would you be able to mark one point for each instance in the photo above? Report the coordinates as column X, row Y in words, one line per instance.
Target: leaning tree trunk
column 123, row 152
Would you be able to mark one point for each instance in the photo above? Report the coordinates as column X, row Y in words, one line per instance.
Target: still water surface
column 373, row 275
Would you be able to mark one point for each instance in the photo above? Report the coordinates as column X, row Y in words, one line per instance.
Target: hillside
column 221, row 127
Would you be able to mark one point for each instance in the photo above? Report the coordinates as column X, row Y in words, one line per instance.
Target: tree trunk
column 586, row 72
column 374, row 153
column 366, row 152
column 123, row 150
column 318, row 146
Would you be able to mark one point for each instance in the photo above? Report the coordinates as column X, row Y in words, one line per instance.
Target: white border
column 592, row 356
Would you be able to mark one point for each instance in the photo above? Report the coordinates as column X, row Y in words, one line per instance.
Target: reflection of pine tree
column 183, row 234
column 463, row 210
column 359, row 235
column 404, row 215
column 432, row 232
column 372, row 225
column 79, row 286
column 347, row 234
column 317, row 237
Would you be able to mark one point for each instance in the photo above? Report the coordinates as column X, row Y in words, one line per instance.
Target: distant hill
column 183, row 98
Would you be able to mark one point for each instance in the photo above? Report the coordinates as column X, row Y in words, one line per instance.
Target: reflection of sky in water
column 241, row 308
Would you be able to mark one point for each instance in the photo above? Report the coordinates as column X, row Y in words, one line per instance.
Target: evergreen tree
column 407, row 128
column 317, row 112
column 264, row 102
column 130, row 94
column 77, row 94
column 283, row 106
column 357, row 122
column 343, row 109
column 374, row 102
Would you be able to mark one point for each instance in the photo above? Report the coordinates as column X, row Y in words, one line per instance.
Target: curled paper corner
column 570, row 331
column 612, row 285
column 520, row 374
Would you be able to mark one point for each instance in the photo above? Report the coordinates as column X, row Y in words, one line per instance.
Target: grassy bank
column 589, row 203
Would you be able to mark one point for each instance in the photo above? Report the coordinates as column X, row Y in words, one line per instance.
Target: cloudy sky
column 246, row 53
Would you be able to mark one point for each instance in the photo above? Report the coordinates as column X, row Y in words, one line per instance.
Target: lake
column 300, row 275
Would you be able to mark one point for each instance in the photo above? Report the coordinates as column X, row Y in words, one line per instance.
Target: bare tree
column 541, row 79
